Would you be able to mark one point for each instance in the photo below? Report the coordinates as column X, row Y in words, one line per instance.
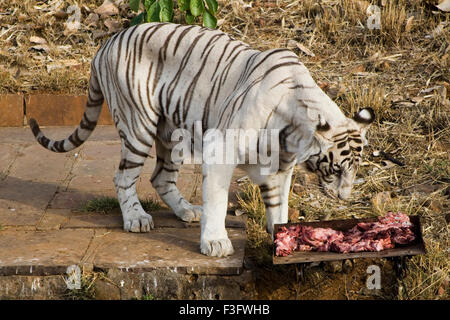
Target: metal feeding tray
column 414, row 248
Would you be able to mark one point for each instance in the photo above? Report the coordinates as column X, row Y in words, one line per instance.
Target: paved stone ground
column 43, row 230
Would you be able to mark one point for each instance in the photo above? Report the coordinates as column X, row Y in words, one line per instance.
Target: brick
column 11, row 110
column 32, row 287
column 105, row 290
column 60, row 110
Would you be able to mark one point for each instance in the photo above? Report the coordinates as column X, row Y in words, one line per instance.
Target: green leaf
column 166, row 4
column 197, row 7
column 148, row 4
column 209, row 20
column 134, row 5
column 212, row 6
column 166, row 13
column 138, row 19
column 183, row 5
column 189, row 18
column 153, row 12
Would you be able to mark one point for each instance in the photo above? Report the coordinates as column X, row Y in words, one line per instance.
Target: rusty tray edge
column 416, row 248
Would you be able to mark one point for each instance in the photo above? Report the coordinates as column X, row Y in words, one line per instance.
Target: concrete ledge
column 116, row 285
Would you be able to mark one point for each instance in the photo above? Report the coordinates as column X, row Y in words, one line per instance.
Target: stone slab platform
column 43, row 229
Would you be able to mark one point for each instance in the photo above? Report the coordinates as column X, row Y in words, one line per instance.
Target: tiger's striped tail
column 84, row 129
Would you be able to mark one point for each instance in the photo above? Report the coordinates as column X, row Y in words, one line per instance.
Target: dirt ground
column 401, row 70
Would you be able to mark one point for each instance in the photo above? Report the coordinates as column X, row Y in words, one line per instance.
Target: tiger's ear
column 320, row 144
column 364, row 117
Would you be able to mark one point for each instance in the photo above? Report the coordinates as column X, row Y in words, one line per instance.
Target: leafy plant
column 163, row 11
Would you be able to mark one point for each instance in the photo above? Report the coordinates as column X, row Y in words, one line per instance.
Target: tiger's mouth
column 338, row 189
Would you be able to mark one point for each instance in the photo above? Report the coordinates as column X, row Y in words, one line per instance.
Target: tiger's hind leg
column 164, row 180
column 134, row 153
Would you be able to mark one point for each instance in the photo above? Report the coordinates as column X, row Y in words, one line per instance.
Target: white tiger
column 158, row 77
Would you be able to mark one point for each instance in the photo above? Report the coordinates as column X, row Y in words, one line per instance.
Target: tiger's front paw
column 138, row 222
column 190, row 214
column 217, row 248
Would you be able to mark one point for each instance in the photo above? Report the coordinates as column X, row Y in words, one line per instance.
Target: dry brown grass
column 391, row 70
column 385, row 69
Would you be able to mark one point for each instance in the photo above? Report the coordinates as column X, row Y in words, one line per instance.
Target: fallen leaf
column 386, row 164
column 381, row 199
column 358, row 69
column 70, row 63
column 437, row 31
column 365, row 74
column 91, row 20
column 293, row 214
column 41, row 48
column 436, row 206
column 362, row 5
column 17, row 74
column 238, row 212
column 98, row 34
column 112, row 25
column 37, row 40
column 417, row 100
column 323, row 85
column 409, row 23
column 243, row 179
column 71, row 27
column 291, row 44
column 444, row 6
column 23, row 17
column 305, row 50
column 298, row 189
column 397, row 98
column 431, row 89
column 60, row 14
column 315, row 204
column 375, row 56
column 73, row 22
column 107, row 9
column 424, row 188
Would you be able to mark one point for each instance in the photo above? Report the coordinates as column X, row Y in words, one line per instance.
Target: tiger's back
column 189, row 73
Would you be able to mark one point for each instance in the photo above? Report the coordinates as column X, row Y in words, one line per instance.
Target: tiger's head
column 340, row 153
